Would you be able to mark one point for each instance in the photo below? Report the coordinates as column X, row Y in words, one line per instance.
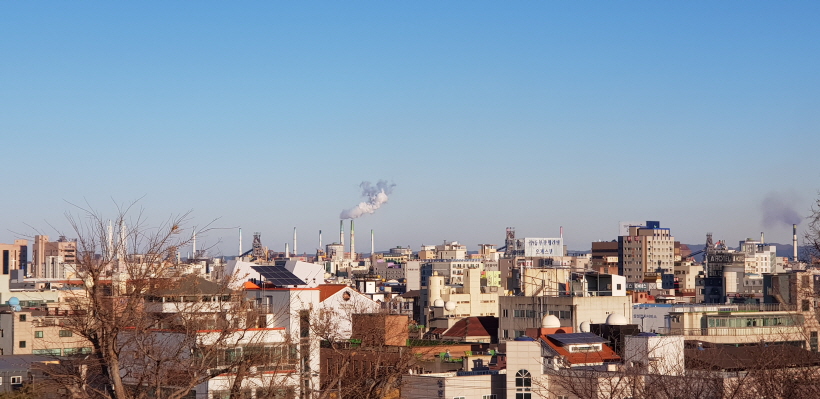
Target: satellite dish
column 450, row 306
column 14, row 301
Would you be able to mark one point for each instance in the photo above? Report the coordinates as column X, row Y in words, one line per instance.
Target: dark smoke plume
column 779, row 211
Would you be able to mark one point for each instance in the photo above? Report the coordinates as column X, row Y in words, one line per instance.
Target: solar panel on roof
column 576, row 338
column 278, row 275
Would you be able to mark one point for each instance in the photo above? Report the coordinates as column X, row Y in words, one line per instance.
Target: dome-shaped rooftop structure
column 450, row 306
column 550, row 321
column 438, row 303
column 615, row 319
column 584, row 327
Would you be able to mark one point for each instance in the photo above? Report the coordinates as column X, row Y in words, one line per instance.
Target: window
column 22, row 344
column 493, row 396
column 46, row 352
column 38, row 334
column 523, row 379
column 22, row 317
column 16, row 380
column 66, row 333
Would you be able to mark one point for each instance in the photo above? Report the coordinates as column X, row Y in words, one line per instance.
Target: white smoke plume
column 376, row 197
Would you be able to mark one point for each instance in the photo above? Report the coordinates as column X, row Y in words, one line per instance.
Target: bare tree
column 370, row 363
column 153, row 331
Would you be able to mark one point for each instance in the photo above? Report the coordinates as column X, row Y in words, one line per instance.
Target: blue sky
column 485, row 115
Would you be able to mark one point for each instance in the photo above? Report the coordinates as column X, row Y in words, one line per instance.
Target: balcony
column 739, row 335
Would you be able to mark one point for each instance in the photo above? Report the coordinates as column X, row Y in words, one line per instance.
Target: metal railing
column 732, row 331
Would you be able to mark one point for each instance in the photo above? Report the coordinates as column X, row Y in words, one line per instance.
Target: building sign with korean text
column 538, row 247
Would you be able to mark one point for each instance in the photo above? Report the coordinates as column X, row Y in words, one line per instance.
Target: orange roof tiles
column 327, row 290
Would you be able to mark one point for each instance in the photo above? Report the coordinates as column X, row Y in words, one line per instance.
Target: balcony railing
column 733, row 331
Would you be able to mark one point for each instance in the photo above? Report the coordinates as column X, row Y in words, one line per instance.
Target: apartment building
column 14, row 256
column 63, row 248
column 645, row 250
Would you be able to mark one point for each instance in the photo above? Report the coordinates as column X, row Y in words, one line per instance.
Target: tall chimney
column 342, row 234
column 372, row 243
column 794, row 241
column 240, row 242
column 110, row 253
column 295, row 251
column 761, row 238
column 287, row 250
column 193, row 245
column 352, row 241
column 320, row 239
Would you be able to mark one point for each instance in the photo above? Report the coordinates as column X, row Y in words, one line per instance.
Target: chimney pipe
column 295, row 251
column 352, row 241
column 794, row 241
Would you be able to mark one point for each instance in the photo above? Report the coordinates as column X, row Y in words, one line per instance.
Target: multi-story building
column 645, row 250
column 14, row 256
column 760, row 257
column 451, row 250
column 452, row 270
column 749, row 324
column 39, row 332
column 604, row 257
column 518, row 313
column 447, row 304
column 43, row 248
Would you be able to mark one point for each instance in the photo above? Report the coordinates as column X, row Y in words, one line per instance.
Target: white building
column 448, row 304
column 338, row 303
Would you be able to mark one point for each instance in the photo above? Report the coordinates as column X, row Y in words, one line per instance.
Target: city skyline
column 484, row 116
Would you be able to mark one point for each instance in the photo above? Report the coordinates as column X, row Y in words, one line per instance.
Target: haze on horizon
column 268, row 116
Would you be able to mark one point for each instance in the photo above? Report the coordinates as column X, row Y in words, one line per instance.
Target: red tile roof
column 606, row 354
column 327, row 290
column 472, row 327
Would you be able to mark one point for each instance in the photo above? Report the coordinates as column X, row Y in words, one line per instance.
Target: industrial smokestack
column 110, row 251
column 761, row 238
column 295, row 251
column 287, row 250
column 320, row 239
column 342, row 234
column 372, row 243
column 122, row 250
column 240, row 242
column 562, row 232
column 352, row 241
column 794, row 241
